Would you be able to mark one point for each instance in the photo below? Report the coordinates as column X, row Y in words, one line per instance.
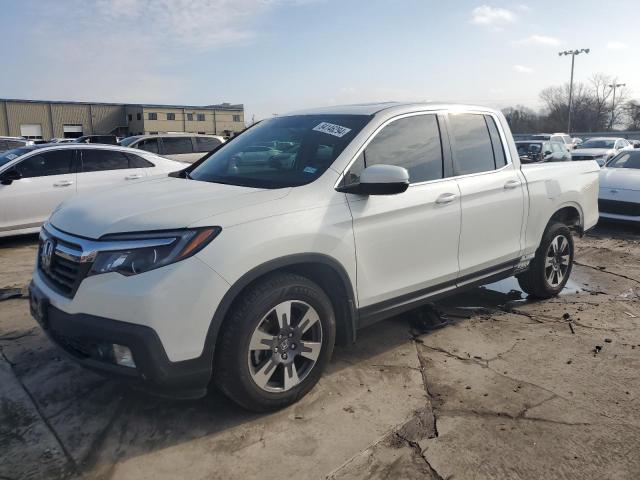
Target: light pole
column 613, row 101
column 573, row 54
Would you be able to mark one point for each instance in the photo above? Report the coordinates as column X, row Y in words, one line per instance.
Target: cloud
column 542, row 40
column 132, row 50
column 488, row 16
column 522, row 69
column 617, row 45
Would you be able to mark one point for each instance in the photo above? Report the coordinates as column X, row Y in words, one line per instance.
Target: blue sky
column 280, row 55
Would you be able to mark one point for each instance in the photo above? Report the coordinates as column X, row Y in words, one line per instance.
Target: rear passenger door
column 100, row 168
column 492, row 195
column 406, row 244
column 179, row 148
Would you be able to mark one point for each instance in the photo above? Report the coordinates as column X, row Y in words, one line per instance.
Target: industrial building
column 41, row 119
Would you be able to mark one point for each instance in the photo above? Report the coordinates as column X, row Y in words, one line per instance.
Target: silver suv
column 187, row 147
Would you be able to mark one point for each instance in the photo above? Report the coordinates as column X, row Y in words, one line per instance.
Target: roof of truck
column 373, row 108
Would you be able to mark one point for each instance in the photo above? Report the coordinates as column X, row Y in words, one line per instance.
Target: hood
column 159, row 204
column 596, row 152
column 620, row 178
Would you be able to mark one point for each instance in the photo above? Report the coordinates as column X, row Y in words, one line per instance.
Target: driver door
column 48, row 178
column 406, row 244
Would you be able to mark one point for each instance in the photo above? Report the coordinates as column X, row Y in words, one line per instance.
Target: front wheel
column 275, row 343
column 550, row 269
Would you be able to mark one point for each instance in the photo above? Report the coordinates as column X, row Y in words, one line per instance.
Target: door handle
column 446, row 198
column 63, row 183
column 135, row 176
column 512, row 184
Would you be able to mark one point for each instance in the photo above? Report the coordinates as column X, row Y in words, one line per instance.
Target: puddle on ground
column 497, row 295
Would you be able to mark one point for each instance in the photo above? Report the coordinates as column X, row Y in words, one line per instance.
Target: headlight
column 149, row 251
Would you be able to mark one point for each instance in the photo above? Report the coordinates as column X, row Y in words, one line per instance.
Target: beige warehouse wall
column 23, row 112
column 67, row 114
column 4, row 128
column 135, row 126
column 106, row 118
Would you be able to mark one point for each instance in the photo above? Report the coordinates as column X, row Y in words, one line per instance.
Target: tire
column 546, row 278
column 275, row 343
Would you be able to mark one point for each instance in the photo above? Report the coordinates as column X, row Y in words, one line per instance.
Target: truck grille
column 619, row 208
column 61, row 272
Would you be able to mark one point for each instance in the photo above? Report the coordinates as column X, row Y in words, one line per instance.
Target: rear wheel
column 550, row 269
column 275, row 343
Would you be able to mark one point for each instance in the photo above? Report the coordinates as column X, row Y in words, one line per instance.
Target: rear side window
column 138, row 162
column 148, row 145
column 496, row 142
column 177, row 145
column 472, row 149
column 58, row 162
column 206, row 144
column 411, row 142
column 100, row 160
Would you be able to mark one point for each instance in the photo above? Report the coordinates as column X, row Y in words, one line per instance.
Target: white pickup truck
column 247, row 273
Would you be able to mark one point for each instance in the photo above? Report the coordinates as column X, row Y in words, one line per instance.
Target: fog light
column 123, row 356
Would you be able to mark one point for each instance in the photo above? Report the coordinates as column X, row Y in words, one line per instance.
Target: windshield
column 281, row 152
column 125, row 142
column 6, row 157
column 604, row 143
column 625, row 160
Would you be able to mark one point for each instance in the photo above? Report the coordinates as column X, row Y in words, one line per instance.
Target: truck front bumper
column 89, row 340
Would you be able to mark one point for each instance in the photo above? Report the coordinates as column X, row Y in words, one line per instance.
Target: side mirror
column 9, row 176
column 380, row 180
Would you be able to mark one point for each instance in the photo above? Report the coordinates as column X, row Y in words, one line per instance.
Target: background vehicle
column 62, row 140
column 532, row 151
column 556, row 137
column 635, row 143
column 620, row 187
column 9, row 143
column 34, row 180
column 104, row 139
column 600, row 149
column 182, row 147
column 422, row 200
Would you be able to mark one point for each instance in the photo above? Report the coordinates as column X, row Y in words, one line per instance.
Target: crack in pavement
column 7, row 337
column 418, row 451
column 606, row 271
column 44, row 419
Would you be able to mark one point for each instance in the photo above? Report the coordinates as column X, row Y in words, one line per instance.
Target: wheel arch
column 322, row 269
column 571, row 215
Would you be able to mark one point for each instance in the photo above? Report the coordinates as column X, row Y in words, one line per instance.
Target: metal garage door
column 72, row 131
column 31, row 130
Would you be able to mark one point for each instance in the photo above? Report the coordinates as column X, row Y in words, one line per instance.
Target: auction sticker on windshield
column 332, row 129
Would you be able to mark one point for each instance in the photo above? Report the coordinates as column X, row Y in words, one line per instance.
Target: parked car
column 620, row 187
column 9, row 143
column 600, row 149
column 104, row 139
column 576, row 142
column 556, row 137
column 249, row 278
column 34, row 180
column 62, row 140
column 186, row 147
column 635, row 143
column 534, row 151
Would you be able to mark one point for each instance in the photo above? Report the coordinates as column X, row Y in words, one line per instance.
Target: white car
column 247, row 276
column 34, row 180
column 620, row 187
column 183, row 147
column 600, row 149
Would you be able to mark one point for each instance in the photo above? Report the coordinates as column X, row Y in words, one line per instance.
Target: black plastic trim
column 389, row 308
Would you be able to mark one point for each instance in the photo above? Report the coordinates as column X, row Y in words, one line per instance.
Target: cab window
column 412, row 142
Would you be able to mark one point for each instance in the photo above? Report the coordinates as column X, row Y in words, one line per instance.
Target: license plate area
column 39, row 306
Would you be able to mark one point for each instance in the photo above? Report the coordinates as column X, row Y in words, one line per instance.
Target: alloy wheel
column 285, row 346
column 556, row 262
